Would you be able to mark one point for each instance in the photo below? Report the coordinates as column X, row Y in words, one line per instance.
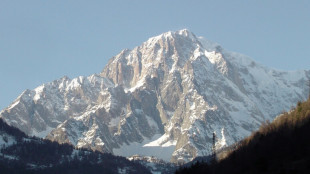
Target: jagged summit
column 169, row 52
column 185, row 33
column 163, row 98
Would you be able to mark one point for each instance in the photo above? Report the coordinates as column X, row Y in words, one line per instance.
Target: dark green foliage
column 194, row 168
column 282, row 146
column 11, row 130
column 38, row 156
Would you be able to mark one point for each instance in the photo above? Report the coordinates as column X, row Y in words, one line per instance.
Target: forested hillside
column 22, row 154
column 282, row 146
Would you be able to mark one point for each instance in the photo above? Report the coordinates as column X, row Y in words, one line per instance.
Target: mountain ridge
column 167, row 95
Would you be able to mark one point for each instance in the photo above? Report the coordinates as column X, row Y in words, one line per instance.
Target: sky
column 41, row 41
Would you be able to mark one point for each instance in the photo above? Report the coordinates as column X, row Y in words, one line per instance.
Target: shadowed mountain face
column 164, row 98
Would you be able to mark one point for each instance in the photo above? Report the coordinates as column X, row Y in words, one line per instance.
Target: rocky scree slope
column 164, row 98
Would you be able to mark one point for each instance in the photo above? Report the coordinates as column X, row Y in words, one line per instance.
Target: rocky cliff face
column 164, row 98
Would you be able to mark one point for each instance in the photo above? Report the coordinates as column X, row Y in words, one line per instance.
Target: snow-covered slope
column 164, row 98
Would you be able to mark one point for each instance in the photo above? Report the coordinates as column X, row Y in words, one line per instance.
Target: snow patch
column 122, row 170
column 114, row 122
column 163, row 141
column 14, row 104
column 151, row 122
column 221, row 142
column 6, row 140
column 42, row 133
column 146, row 149
column 138, row 85
column 38, row 91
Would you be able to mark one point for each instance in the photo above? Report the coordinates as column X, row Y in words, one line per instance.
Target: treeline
column 39, row 152
column 282, row 146
column 36, row 156
column 4, row 127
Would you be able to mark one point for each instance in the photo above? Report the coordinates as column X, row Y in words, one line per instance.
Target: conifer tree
column 213, row 147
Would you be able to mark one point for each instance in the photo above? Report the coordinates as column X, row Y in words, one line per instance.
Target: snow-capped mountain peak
column 164, row 98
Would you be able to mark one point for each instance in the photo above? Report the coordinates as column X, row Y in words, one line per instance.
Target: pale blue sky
column 43, row 40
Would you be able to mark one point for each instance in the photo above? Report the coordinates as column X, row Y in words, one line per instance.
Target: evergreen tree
column 213, row 147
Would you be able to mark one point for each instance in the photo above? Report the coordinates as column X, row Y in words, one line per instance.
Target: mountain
column 20, row 153
column 164, row 98
column 282, row 146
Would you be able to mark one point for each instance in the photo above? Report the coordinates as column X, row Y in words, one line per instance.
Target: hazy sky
column 43, row 40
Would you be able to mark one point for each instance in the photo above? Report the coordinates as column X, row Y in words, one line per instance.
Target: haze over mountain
column 164, row 98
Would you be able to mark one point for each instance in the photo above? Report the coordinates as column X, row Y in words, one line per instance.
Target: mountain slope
column 22, row 154
column 164, row 98
column 280, row 147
